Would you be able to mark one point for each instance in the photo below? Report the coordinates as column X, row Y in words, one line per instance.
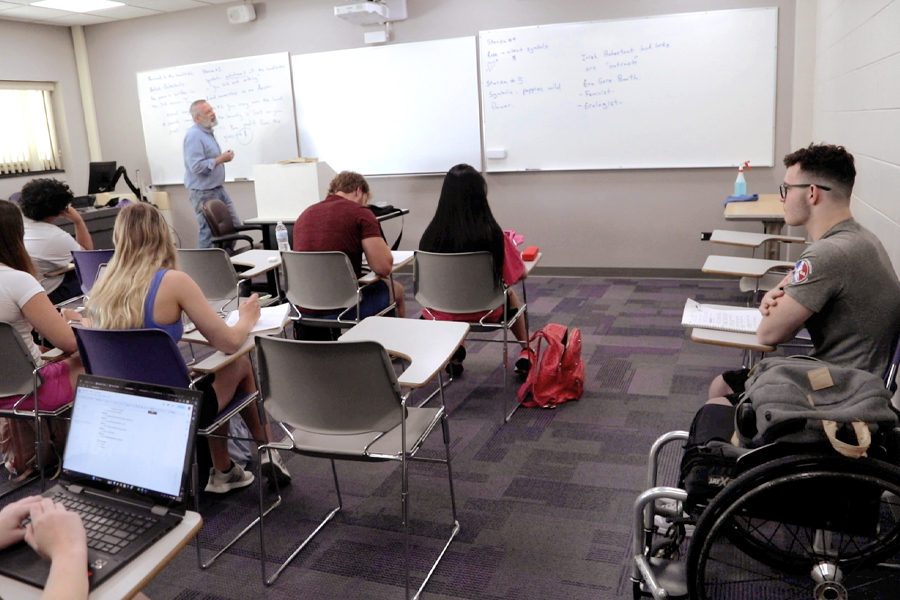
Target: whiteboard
column 253, row 103
column 400, row 109
column 672, row 91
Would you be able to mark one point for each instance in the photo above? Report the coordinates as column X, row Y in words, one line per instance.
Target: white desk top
column 133, row 576
column 259, row 262
column 401, row 259
column 293, row 218
column 750, row 240
column 530, row 264
column 737, row 266
column 768, row 208
column 428, row 345
column 730, row 339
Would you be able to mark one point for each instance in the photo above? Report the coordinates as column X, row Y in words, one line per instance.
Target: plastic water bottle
column 281, row 237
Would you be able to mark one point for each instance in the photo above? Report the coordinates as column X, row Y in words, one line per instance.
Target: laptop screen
column 133, row 436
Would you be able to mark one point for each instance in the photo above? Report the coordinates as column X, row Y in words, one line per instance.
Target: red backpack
column 557, row 374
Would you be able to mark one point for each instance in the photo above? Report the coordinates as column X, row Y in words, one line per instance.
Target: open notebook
column 737, row 319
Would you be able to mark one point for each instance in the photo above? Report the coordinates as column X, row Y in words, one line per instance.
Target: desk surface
column 428, row 345
column 258, row 261
column 730, row 339
column 133, row 576
column 768, row 208
column 288, row 221
column 750, row 240
column 530, row 264
column 401, row 259
column 738, row 266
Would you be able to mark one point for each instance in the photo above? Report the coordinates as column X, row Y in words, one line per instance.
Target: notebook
column 125, row 469
column 737, row 319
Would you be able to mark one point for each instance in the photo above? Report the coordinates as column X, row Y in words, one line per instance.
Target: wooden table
column 428, row 345
column 769, row 209
column 132, row 577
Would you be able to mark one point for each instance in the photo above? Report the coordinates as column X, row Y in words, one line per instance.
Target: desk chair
column 214, row 273
column 123, row 354
column 20, row 376
column 355, row 413
column 463, row 284
column 224, row 232
column 324, row 281
column 87, row 264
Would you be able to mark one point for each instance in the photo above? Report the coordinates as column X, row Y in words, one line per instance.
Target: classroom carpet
column 544, row 502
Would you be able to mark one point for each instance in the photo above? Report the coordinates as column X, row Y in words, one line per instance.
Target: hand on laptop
column 11, row 517
column 56, row 533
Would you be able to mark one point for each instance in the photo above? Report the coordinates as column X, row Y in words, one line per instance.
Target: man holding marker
column 204, row 167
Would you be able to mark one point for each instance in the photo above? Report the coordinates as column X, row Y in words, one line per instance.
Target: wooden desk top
column 133, row 576
column 729, row 338
column 768, row 208
column 258, row 261
column 401, row 259
column 428, row 345
column 750, row 240
column 737, row 266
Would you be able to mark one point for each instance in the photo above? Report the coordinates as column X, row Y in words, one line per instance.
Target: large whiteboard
column 253, row 103
column 673, row 91
column 400, row 109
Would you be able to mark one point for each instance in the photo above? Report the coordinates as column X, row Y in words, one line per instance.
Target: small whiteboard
column 400, row 109
column 253, row 103
column 672, row 91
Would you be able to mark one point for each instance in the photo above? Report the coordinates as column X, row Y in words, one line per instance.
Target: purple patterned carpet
column 545, row 502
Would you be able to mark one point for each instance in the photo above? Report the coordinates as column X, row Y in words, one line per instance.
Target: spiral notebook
column 738, row 319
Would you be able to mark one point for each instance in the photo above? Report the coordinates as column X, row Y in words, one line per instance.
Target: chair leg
column 438, row 391
column 262, row 533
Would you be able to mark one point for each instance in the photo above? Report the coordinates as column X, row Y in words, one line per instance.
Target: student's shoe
column 219, row 482
column 455, row 367
column 523, row 363
column 274, row 470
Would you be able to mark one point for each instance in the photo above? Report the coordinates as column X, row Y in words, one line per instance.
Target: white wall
column 45, row 53
column 857, row 104
column 625, row 219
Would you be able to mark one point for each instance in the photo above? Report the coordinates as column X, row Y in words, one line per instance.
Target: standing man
column 204, row 167
column 50, row 248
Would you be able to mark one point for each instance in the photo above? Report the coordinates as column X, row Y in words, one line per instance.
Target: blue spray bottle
column 740, row 184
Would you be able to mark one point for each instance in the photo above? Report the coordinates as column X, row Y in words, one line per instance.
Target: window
column 27, row 132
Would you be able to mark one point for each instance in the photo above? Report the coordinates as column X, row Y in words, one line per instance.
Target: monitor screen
column 102, row 177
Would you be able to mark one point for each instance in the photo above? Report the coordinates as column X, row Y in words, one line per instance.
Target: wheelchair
column 799, row 522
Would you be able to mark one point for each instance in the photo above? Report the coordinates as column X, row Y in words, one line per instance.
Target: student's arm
column 190, row 299
column 783, row 317
column 58, row 536
column 82, row 235
column 39, row 311
column 379, row 255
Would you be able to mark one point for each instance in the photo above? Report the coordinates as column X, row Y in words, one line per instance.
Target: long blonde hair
column 143, row 246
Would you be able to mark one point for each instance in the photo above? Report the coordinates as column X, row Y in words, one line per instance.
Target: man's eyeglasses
column 784, row 187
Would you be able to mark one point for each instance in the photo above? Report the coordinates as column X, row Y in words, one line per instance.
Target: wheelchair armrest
column 250, row 227
column 223, row 239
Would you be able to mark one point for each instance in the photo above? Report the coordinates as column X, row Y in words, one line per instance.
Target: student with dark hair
column 42, row 202
column 463, row 222
column 24, row 305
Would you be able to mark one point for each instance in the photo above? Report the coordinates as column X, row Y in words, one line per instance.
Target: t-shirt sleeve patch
column 802, row 272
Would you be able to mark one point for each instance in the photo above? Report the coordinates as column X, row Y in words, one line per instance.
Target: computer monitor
column 102, row 177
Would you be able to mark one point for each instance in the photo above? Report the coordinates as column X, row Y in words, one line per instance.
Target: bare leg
column 399, row 296
column 519, row 329
column 236, row 376
column 719, row 388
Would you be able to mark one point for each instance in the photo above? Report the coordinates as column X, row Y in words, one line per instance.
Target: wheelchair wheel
column 800, row 527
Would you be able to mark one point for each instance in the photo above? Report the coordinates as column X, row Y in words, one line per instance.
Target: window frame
column 35, row 165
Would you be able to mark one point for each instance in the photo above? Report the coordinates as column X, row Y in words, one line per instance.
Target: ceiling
column 21, row 10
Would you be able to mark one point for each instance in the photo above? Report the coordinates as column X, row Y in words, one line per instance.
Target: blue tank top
column 176, row 329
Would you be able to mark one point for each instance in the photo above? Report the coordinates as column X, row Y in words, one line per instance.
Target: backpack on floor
column 557, row 373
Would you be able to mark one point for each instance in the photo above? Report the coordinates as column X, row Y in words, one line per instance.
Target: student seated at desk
column 142, row 288
column 24, row 305
column 463, row 222
column 42, row 202
column 341, row 222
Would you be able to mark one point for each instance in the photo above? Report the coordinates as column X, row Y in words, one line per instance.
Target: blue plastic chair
column 152, row 356
column 87, row 264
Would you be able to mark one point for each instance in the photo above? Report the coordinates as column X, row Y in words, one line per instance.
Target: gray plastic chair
column 20, row 376
column 323, row 281
column 461, row 284
column 356, row 413
column 213, row 271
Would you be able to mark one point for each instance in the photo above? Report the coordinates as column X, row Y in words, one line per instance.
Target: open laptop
column 125, row 469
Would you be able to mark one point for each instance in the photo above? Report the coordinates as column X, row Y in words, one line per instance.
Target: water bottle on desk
column 281, row 237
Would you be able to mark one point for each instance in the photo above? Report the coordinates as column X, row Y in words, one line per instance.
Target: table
column 133, row 576
column 750, row 240
column 738, row 266
column 769, row 209
column 257, row 261
column 268, row 238
column 401, row 259
column 428, row 345
column 745, row 341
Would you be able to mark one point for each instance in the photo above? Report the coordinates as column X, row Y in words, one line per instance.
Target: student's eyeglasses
column 784, row 187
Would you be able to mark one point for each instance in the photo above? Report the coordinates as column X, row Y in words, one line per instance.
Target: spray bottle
column 740, row 184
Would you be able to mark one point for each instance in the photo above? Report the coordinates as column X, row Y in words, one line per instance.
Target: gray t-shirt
column 846, row 278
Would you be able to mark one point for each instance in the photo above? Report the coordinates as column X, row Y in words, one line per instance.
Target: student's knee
column 718, row 388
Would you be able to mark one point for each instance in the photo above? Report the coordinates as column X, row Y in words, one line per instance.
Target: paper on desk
column 722, row 318
column 270, row 317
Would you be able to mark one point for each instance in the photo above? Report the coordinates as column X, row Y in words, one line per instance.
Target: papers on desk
column 270, row 317
column 737, row 319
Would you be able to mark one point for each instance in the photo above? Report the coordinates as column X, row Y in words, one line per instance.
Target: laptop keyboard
column 108, row 529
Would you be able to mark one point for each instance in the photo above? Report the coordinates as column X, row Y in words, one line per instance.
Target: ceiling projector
column 363, row 13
